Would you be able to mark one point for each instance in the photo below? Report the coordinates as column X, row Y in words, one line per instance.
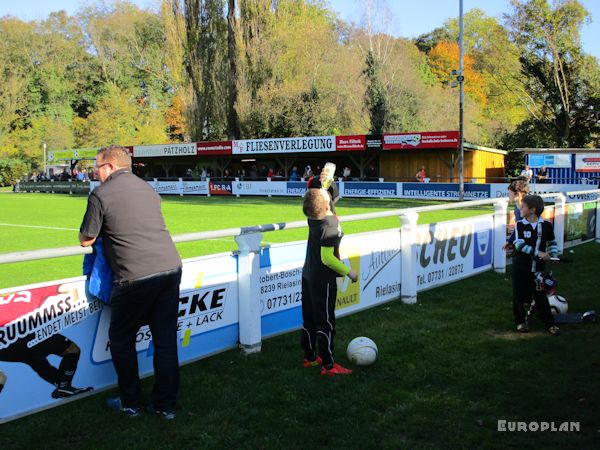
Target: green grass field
column 36, row 221
column 449, row 367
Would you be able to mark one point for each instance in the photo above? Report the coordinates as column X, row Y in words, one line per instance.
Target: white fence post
column 181, row 187
column 248, row 281
column 560, row 213
column 500, row 212
column 597, row 219
column 207, row 187
column 408, row 253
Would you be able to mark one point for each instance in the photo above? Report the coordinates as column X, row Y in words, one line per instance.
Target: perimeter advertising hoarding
column 430, row 139
column 166, row 187
column 445, row 191
column 500, row 190
column 214, row 148
column 580, row 222
column 374, row 256
column 450, row 251
column 77, row 153
column 259, row 188
column 195, row 187
column 174, row 187
column 284, row 145
column 75, row 187
column 220, row 187
column 374, row 142
column 350, row 143
column 153, row 151
column 369, row 189
column 587, row 162
column 296, row 188
column 35, row 320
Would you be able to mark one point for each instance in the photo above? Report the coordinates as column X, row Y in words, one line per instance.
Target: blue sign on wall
column 444, row 190
column 367, row 189
column 296, row 187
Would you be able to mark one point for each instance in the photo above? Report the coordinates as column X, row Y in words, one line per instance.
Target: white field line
column 77, row 229
column 36, row 226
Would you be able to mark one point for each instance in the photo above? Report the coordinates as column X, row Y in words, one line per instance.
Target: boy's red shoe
column 316, row 363
column 335, row 370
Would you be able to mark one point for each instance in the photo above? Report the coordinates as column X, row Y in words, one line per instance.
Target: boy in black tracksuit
column 534, row 244
column 319, row 289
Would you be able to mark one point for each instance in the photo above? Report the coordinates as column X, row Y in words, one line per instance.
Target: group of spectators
column 264, row 172
column 77, row 174
column 541, row 176
column 345, row 175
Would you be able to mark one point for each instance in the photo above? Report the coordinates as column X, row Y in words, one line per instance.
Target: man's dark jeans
column 152, row 300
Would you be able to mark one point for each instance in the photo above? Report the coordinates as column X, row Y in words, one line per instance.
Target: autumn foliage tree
column 211, row 69
column 444, row 57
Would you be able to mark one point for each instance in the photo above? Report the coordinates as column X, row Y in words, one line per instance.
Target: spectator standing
column 125, row 211
column 294, row 174
column 307, row 172
column 253, row 172
column 372, row 173
column 517, row 190
column 420, row 175
column 263, row 171
column 346, row 173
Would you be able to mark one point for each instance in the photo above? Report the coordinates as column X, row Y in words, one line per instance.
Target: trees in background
column 562, row 82
column 216, row 69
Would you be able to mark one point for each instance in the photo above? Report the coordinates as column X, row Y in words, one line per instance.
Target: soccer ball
column 558, row 304
column 362, row 351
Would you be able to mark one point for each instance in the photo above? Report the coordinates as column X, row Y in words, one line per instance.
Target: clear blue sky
column 409, row 18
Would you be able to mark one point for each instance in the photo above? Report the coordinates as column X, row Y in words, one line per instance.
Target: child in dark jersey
column 319, row 289
column 534, row 244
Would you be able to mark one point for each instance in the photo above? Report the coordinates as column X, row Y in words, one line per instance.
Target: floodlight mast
column 45, row 162
column 461, row 78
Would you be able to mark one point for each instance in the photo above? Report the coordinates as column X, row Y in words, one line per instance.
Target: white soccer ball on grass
column 558, row 304
column 362, row 351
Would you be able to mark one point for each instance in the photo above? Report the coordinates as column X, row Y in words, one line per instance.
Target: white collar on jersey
column 527, row 222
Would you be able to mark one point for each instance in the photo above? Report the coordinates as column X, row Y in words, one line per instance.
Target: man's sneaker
column 116, row 405
column 316, row 363
column 166, row 415
column 554, row 330
column 69, row 391
column 335, row 370
column 523, row 327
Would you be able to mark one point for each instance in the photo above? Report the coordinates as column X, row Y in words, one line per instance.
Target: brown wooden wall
column 403, row 165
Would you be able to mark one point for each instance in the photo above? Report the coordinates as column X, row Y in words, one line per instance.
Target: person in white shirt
column 527, row 173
